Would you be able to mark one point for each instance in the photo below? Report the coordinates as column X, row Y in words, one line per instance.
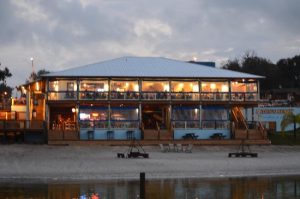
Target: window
column 124, row 117
column 124, row 113
column 62, row 85
column 155, row 86
column 94, row 113
column 94, row 86
column 185, row 113
column 93, row 117
column 243, row 86
column 177, row 86
column 185, row 117
column 93, row 89
column 214, row 113
column 124, row 86
column 214, row 86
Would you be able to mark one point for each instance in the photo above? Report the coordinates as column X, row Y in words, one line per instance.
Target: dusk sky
column 61, row 34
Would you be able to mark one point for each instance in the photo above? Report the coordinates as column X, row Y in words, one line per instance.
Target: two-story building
column 144, row 98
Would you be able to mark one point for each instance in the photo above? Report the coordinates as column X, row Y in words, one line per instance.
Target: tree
column 290, row 118
column 233, row 65
column 35, row 76
column 289, row 70
column 251, row 63
column 5, row 91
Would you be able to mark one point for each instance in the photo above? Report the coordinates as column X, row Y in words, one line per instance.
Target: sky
column 61, row 34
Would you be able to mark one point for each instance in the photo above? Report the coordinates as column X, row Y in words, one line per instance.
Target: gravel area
column 43, row 162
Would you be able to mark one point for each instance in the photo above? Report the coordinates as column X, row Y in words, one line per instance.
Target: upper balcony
column 144, row 90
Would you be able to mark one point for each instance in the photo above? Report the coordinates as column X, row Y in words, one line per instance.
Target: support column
column 28, row 105
column 229, row 90
column 109, row 114
column 170, row 116
column 77, row 89
column 109, row 90
column 258, row 91
column 140, row 113
column 199, row 90
column 140, row 81
column 200, row 116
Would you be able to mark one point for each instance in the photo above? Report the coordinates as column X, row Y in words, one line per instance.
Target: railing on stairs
column 262, row 130
column 239, row 118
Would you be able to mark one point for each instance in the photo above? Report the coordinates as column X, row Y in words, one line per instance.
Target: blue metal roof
column 149, row 67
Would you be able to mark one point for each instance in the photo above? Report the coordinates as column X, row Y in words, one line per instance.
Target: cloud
column 65, row 33
column 153, row 28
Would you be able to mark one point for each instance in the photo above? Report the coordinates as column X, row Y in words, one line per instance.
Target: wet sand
column 71, row 163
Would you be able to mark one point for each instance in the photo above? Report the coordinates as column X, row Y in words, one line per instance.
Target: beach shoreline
column 38, row 163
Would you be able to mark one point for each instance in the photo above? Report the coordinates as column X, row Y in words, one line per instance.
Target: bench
column 190, row 136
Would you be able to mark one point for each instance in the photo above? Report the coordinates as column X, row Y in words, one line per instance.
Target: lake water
column 232, row 188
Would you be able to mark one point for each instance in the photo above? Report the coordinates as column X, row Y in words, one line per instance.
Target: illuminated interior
column 62, row 85
column 155, row 86
column 177, row 86
column 94, row 86
column 243, row 87
column 123, row 86
column 214, row 87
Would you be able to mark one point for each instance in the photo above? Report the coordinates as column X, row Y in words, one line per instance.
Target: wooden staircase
column 63, row 135
column 153, row 134
column 245, row 130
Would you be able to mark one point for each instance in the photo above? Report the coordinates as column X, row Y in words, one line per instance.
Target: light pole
column 31, row 59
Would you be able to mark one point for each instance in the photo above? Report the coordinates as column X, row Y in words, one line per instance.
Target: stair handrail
column 235, row 118
column 242, row 118
column 142, row 127
column 262, row 129
column 158, row 130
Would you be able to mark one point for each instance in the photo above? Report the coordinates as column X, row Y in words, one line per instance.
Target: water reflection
column 231, row 188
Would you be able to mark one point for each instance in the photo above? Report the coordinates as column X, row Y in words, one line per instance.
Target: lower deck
column 151, row 137
column 156, row 142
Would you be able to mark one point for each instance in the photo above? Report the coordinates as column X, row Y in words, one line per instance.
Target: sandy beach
column 42, row 162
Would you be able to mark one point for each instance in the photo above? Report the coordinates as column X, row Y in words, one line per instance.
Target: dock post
column 142, row 185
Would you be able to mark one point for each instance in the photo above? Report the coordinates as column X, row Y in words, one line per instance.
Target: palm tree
column 290, row 118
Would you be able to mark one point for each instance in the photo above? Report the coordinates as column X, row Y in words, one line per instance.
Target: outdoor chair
column 189, row 148
column 171, row 147
column 162, row 148
column 179, row 148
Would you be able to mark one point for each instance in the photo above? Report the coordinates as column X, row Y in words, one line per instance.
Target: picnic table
column 190, row 136
column 217, row 136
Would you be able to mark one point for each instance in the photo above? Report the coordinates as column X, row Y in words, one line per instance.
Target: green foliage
column 286, row 120
column 289, row 70
column 284, row 74
column 5, row 91
column 35, row 76
column 288, row 139
column 289, row 118
column 233, row 65
column 4, row 74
